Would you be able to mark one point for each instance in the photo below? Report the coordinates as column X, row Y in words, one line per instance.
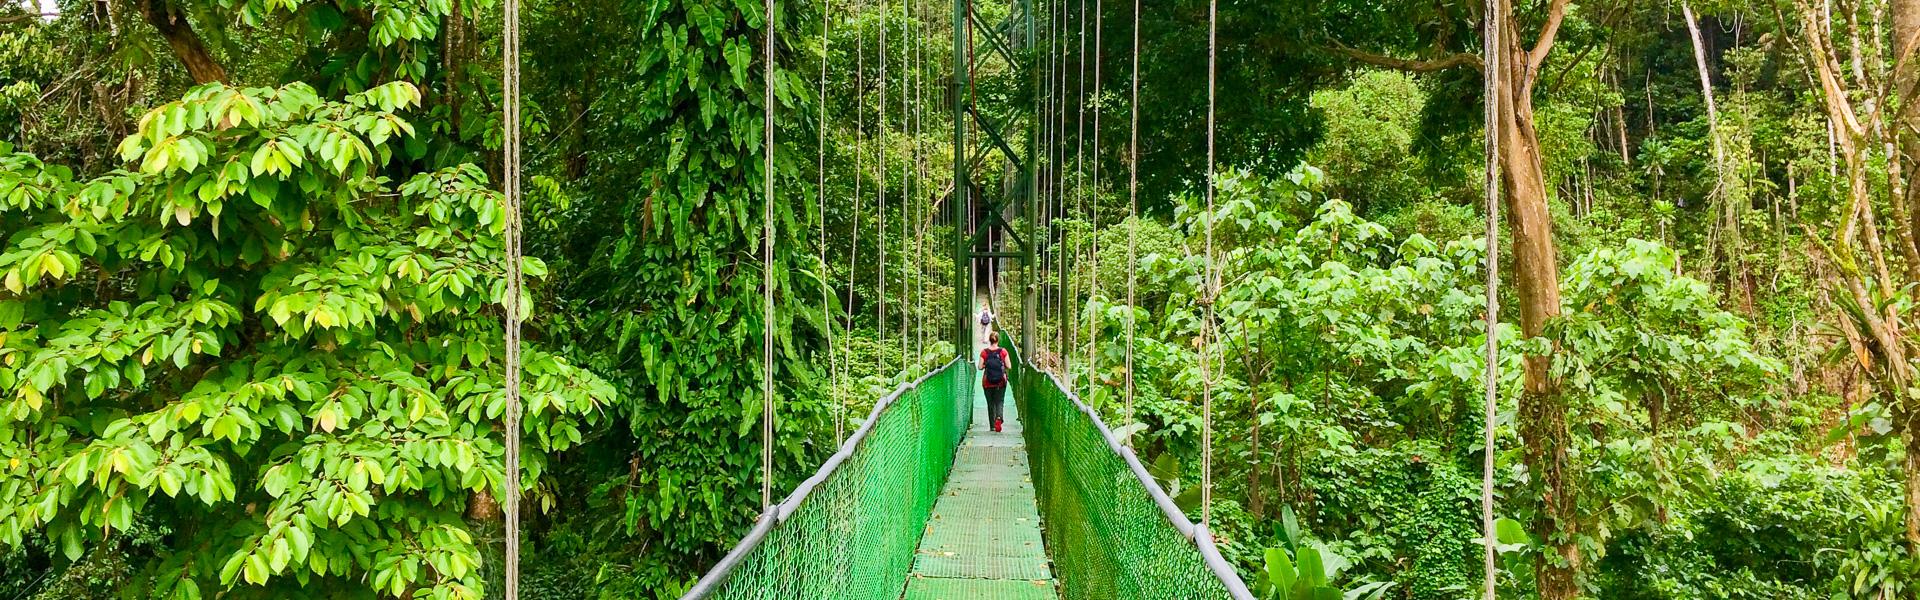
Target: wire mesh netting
column 850, row 531
column 1110, row 534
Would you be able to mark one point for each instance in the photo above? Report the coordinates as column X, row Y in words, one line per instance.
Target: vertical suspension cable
column 930, row 207
column 766, row 274
column 910, row 180
column 906, row 185
column 820, row 197
column 880, row 225
column 1133, row 214
column 1079, row 196
column 922, row 199
column 1212, row 285
column 1093, row 212
column 1056, row 230
column 920, row 175
column 1045, row 191
column 971, row 213
column 1493, row 51
column 859, row 198
column 510, row 175
column 1044, row 270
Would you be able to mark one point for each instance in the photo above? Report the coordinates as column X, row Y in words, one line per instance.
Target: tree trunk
column 1256, row 501
column 482, row 507
column 1884, row 339
column 1911, row 468
column 1656, row 400
column 1706, row 92
column 1730, row 246
column 1543, row 418
column 186, row 44
column 1906, row 122
column 1543, row 412
column 1906, row 80
column 1536, row 283
column 450, row 63
column 1619, row 114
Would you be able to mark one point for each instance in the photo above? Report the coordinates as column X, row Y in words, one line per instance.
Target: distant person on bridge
column 986, row 318
column 993, row 378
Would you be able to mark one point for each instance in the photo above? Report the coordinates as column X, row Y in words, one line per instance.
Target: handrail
column 1198, row 534
column 777, row 513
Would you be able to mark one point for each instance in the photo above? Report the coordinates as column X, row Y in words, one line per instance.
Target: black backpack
column 995, row 367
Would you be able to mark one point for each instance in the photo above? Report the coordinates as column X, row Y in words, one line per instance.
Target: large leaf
column 1510, row 535
column 1280, row 570
column 1313, row 572
column 1289, row 528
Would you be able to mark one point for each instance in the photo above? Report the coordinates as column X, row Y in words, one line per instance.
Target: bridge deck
column 983, row 540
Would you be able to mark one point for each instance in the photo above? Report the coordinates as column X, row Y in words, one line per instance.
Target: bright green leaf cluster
column 260, row 339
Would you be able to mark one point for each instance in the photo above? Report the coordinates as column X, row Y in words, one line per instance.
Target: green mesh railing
column 1111, row 530
column 849, row 532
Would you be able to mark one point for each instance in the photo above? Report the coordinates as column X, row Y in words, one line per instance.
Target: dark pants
column 996, row 403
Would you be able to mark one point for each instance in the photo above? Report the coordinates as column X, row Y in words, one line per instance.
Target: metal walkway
column 983, row 540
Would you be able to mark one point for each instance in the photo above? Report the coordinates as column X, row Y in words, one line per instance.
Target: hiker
column 993, row 378
column 986, row 318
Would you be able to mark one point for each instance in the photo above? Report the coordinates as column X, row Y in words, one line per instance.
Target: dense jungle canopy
column 252, row 303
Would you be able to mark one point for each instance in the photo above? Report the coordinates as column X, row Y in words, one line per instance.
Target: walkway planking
column 983, row 540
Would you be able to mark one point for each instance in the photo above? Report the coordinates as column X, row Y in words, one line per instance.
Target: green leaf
column 1312, row 572
column 1280, row 570
column 70, row 544
column 1510, row 536
column 230, row 571
column 1289, row 527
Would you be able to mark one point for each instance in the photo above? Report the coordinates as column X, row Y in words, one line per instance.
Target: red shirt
column 1005, row 362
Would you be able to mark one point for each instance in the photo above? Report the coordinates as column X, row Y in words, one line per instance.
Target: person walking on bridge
column 986, row 319
column 993, row 378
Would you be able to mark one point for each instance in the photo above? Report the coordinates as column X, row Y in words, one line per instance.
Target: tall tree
column 1543, row 421
column 662, row 270
column 1869, row 282
column 272, row 337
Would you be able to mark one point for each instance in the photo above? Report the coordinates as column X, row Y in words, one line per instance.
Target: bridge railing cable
column 850, row 530
column 1110, row 528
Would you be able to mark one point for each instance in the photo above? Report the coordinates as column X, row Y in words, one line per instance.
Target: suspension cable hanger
column 1133, row 216
column 859, row 197
column 920, row 170
column 766, row 271
column 1093, row 215
column 906, row 186
column 880, row 212
column 1212, row 285
column 834, row 383
column 1071, row 323
column 1493, row 52
column 510, row 175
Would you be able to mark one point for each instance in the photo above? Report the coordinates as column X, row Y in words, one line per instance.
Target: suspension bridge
column 925, row 501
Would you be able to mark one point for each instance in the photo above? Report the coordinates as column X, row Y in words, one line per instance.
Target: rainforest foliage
column 251, row 294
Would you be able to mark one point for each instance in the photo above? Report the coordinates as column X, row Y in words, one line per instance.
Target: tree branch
column 1458, row 59
column 1556, row 13
column 186, row 44
column 27, row 16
